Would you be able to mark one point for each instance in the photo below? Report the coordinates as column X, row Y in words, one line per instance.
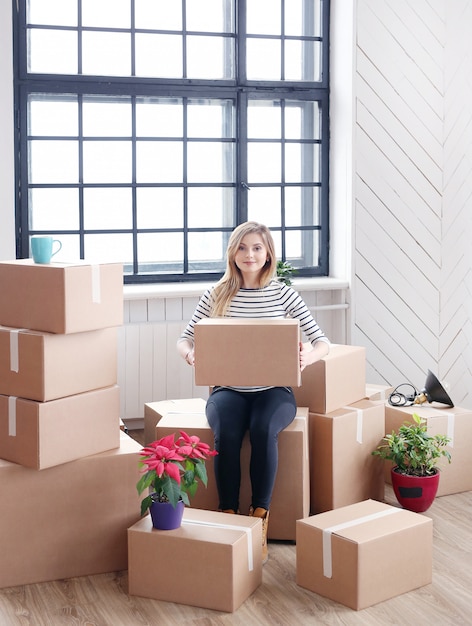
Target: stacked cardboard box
column 356, row 554
column 216, row 557
column 61, row 446
column 344, row 428
column 291, row 497
column 455, row 423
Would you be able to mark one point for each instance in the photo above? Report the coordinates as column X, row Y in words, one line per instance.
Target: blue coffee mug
column 42, row 248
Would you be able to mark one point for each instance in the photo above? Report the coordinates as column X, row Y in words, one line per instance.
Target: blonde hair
column 232, row 280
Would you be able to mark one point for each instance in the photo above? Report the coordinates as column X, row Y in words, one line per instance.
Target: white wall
column 7, row 210
column 412, row 295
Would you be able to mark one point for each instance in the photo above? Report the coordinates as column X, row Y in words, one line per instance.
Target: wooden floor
column 103, row 600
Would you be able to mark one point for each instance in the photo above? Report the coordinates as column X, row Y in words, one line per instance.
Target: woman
column 249, row 289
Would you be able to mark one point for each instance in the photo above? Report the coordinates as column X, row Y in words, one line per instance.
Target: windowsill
column 192, row 290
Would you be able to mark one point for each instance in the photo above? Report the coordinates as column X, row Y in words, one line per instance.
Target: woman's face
column 251, row 256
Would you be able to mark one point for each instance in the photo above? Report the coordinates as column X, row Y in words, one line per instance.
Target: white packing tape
column 328, row 532
column 12, row 416
column 360, row 421
column 244, row 529
column 14, row 350
column 96, row 288
column 305, row 433
column 450, row 416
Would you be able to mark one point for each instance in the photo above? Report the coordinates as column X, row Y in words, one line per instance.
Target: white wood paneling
column 412, row 287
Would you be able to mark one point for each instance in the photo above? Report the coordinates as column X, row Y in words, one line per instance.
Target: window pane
column 107, row 162
column 107, row 118
column 263, row 16
column 210, row 15
column 209, row 57
column 207, row 250
column 107, row 208
column 302, row 206
column 264, row 205
column 43, row 57
column 52, row 12
column 53, row 162
column 210, row 162
column 159, row 55
column 53, row 115
column 160, row 207
column 264, row 119
column 303, row 18
column 159, row 162
column 210, row 118
column 302, row 60
column 108, row 248
column 263, row 59
column 302, row 120
column 54, row 208
column 302, row 163
column 106, row 54
column 264, row 163
column 106, row 13
column 159, row 117
column 302, row 247
column 158, row 14
column 210, row 207
column 167, row 249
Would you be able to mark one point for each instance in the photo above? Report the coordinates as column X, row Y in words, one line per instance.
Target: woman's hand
column 190, row 357
column 310, row 354
column 186, row 351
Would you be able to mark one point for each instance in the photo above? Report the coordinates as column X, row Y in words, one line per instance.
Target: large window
column 148, row 129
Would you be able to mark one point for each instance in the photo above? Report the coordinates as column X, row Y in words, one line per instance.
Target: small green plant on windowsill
column 285, row 271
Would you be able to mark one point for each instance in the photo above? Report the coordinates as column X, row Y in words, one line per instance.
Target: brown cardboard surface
column 61, row 297
column 342, row 468
column 153, row 411
column 336, row 380
column 45, row 366
column 454, row 422
column 69, row 520
column 377, row 393
column 247, row 352
column 356, row 555
column 45, row 434
column 291, row 497
column 217, row 565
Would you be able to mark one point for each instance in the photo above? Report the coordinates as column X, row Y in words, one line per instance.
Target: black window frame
column 241, row 92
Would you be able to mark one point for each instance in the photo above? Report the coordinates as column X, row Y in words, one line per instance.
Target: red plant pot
column 415, row 493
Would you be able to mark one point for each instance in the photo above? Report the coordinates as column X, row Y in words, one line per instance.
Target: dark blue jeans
column 264, row 414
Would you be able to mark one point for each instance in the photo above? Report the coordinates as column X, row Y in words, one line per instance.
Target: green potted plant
column 285, row 271
column 415, row 455
column 171, row 469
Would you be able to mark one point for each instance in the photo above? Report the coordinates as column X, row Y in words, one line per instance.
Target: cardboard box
column 454, row 422
column 364, row 553
column 44, row 366
column 69, row 520
column 153, row 411
column 214, row 560
column 61, row 297
column 45, row 434
column 247, row 352
column 378, row 393
column 336, row 380
column 291, row 496
column 342, row 468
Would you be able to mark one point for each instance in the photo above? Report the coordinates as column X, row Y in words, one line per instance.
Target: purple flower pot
column 165, row 517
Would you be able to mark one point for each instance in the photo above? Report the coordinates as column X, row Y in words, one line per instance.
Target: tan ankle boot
column 264, row 515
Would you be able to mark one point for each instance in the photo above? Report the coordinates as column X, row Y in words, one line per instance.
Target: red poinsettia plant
column 172, row 468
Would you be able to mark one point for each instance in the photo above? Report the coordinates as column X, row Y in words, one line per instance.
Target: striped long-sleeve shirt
column 274, row 301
